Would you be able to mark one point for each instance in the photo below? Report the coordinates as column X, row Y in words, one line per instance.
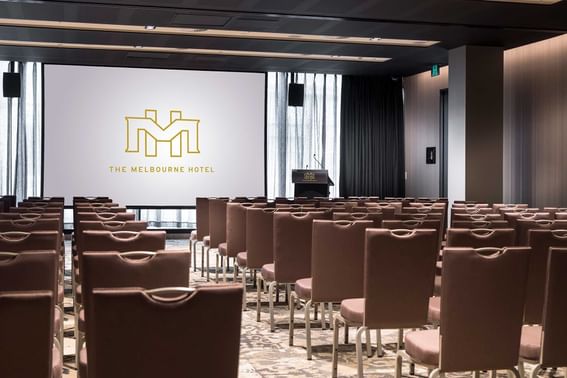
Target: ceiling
column 451, row 22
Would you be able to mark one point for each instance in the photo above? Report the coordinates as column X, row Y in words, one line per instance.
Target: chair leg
column 335, row 362
column 192, row 245
column 493, row 373
column 359, row 333
column 399, row 364
column 435, row 373
column 516, row 373
column 308, row 328
column 368, row 344
column 291, row 317
column 323, row 317
column 331, row 323
column 536, row 371
column 476, row 374
column 271, row 287
column 208, row 265
column 258, row 296
column 288, row 294
column 521, row 369
column 379, row 351
column 224, row 267
column 244, row 288
column 346, row 333
column 216, row 268
column 400, row 339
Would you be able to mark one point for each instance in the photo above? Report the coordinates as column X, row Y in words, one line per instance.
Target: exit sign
column 435, row 70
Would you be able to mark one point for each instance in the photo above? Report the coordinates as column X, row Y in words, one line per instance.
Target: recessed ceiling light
column 218, row 33
column 179, row 50
column 150, row 27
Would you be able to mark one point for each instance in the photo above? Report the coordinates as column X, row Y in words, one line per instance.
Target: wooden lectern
column 311, row 182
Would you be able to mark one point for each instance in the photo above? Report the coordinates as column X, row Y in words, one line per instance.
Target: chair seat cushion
column 83, row 362
column 242, row 259
column 423, row 346
column 437, row 290
column 269, row 272
column 56, row 366
column 82, row 320
column 531, row 342
column 434, row 315
column 60, row 293
column 222, row 249
column 79, row 294
column 193, row 235
column 352, row 310
column 207, row 241
column 303, row 288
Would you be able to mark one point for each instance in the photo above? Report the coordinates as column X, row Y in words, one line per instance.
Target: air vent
column 199, row 20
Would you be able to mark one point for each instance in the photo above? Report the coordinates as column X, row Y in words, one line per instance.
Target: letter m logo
column 181, row 134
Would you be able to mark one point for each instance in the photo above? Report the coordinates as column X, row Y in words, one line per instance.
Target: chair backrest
column 387, row 210
column 523, row 227
column 337, row 259
column 554, row 342
column 408, row 258
column 147, row 270
column 202, row 217
column 26, row 332
column 113, row 226
column 38, row 209
column 477, row 312
column 123, row 241
column 105, row 217
column 55, row 205
column 29, row 225
column 259, row 237
column 418, row 216
column 29, row 270
column 412, row 224
column 540, row 241
column 513, row 218
column 476, row 217
column 174, row 337
column 292, row 245
column 375, row 218
column 489, row 224
column 17, row 241
column 78, row 199
column 480, row 238
column 561, row 215
column 236, row 227
column 217, row 221
column 30, row 215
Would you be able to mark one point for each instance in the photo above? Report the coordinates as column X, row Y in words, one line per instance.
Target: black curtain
column 372, row 137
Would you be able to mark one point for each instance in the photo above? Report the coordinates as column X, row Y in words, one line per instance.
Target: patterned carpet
column 267, row 354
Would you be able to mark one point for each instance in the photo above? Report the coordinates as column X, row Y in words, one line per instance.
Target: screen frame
column 152, row 207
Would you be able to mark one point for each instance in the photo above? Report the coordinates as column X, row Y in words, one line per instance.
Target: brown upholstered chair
column 375, row 218
column 198, row 236
column 523, row 227
column 474, row 314
column 406, row 257
column 186, row 325
column 259, row 243
column 28, row 348
column 416, row 224
column 33, row 270
column 549, row 351
column 292, row 254
column 498, row 206
column 554, row 210
column 235, row 235
column 217, row 228
column 476, row 217
column 540, row 241
column 561, row 215
column 337, row 271
column 386, row 209
column 111, row 269
column 513, row 218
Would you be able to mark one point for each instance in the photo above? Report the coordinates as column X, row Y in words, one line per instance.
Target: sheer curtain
column 21, row 133
column 296, row 134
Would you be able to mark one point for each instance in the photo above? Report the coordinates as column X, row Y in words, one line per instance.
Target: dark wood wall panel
column 535, row 123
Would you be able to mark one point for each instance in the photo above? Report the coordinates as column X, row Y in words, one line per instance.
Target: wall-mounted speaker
column 295, row 94
column 12, row 86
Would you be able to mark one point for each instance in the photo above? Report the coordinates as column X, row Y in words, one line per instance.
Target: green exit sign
column 435, row 70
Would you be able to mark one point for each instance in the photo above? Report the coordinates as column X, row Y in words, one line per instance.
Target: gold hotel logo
column 182, row 134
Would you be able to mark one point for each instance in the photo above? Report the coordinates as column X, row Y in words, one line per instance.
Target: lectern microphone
column 317, row 161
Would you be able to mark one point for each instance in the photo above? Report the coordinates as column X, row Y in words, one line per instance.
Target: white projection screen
column 153, row 137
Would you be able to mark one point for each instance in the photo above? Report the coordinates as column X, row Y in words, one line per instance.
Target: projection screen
column 152, row 137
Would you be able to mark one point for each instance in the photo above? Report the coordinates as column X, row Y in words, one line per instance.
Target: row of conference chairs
column 310, row 252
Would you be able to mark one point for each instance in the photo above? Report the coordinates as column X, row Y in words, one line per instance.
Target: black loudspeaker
column 12, row 84
column 295, row 94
